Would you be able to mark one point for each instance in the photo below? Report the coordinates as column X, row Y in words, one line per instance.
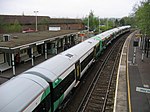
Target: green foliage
column 104, row 28
column 93, row 21
column 16, row 27
column 122, row 22
column 96, row 24
column 10, row 28
column 130, row 20
column 142, row 15
column 44, row 21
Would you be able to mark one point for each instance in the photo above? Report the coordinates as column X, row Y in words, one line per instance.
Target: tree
column 142, row 15
column 122, row 22
column 16, row 27
column 130, row 20
column 11, row 28
column 116, row 23
column 44, row 21
column 93, row 21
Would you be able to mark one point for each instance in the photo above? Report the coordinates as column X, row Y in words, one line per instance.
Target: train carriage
column 46, row 85
column 63, row 71
column 59, row 72
column 23, row 93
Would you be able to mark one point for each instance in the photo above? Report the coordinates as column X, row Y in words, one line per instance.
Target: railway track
column 100, row 94
column 96, row 91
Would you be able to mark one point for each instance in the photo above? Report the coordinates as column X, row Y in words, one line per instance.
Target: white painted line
column 118, row 73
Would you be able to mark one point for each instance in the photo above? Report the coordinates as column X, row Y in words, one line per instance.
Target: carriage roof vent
column 69, row 55
column 89, row 42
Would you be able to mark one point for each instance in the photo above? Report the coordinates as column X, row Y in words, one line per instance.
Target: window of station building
column 23, row 52
column 34, row 49
column 63, row 85
column 59, row 44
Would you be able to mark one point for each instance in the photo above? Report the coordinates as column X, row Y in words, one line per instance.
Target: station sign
column 142, row 90
column 135, row 43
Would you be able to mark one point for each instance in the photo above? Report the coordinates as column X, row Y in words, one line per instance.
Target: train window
column 86, row 61
column 63, row 85
column 45, row 105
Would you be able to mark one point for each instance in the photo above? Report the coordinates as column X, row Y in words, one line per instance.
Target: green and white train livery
column 44, row 87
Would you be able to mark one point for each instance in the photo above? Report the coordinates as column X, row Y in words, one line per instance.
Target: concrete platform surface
column 133, row 80
column 139, row 77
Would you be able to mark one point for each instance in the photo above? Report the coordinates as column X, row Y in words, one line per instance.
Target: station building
column 53, row 36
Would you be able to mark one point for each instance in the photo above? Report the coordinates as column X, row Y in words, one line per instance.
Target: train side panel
column 22, row 93
column 62, row 86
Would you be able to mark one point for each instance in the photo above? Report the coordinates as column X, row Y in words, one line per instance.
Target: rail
column 87, row 104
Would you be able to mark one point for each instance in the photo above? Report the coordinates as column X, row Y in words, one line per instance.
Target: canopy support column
column 13, row 63
column 45, row 50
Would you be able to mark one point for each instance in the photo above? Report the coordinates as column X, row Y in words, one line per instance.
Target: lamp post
column 99, row 25
column 88, row 24
column 36, row 19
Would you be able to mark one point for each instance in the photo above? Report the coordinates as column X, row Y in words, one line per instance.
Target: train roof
column 108, row 33
column 51, row 69
column 105, row 34
column 17, row 93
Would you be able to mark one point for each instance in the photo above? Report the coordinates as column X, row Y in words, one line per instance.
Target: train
column 44, row 87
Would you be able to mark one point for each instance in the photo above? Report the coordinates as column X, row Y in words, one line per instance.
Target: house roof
column 22, row 19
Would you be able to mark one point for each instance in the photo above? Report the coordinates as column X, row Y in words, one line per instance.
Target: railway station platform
column 133, row 80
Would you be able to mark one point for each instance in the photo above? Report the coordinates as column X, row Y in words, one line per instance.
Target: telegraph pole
column 36, row 19
column 88, row 24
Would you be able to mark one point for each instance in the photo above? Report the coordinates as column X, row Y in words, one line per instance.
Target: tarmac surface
column 133, row 81
column 139, row 76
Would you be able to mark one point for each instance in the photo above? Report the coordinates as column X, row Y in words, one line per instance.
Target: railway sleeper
column 97, row 93
column 103, row 84
column 109, row 110
column 104, row 87
column 102, row 98
column 110, row 102
column 111, row 96
column 97, row 101
column 92, row 110
column 94, row 106
column 109, row 107
column 100, row 89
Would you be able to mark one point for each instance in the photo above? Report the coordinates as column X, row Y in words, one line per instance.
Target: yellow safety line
column 128, row 81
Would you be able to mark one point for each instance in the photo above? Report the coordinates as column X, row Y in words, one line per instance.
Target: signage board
column 135, row 43
column 142, row 90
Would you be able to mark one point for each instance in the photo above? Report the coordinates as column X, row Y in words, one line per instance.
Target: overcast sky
column 68, row 8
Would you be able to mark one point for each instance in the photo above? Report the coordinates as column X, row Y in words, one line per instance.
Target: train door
column 78, row 71
column 95, row 48
column 101, row 45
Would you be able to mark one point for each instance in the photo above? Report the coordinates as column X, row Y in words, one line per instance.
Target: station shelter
column 19, row 48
